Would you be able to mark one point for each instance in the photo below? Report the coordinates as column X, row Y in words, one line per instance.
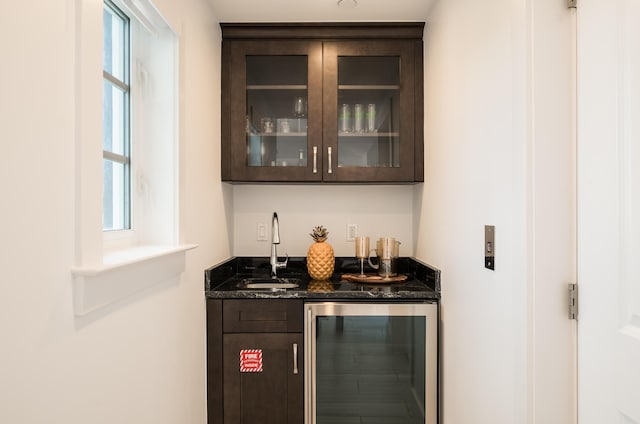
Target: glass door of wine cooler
column 371, row 363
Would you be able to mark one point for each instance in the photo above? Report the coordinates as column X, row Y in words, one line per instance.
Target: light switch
column 261, row 232
column 490, row 247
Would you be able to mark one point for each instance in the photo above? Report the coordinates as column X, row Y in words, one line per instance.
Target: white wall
column 378, row 210
column 498, row 152
column 474, row 176
column 142, row 360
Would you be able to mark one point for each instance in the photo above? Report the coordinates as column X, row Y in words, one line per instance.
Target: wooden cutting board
column 373, row 278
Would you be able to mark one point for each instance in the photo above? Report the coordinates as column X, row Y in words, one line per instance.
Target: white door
column 609, row 211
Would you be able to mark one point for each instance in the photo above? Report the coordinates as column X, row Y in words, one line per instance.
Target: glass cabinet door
column 279, row 100
column 368, row 111
column 369, row 98
column 276, row 108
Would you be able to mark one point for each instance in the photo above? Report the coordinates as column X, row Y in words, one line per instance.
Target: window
column 116, row 137
column 129, row 182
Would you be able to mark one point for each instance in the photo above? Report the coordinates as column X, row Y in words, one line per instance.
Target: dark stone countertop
column 221, row 281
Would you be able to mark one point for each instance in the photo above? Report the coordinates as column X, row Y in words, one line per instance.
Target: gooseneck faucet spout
column 275, row 241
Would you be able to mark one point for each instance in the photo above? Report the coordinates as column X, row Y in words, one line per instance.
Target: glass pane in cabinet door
column 370, row 369
column 369, row 111
column 276, row 110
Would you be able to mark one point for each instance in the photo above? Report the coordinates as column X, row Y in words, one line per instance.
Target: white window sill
column 124, row 273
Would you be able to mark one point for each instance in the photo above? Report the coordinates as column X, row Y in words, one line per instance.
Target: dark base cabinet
column 273, row 396
column 255, row 368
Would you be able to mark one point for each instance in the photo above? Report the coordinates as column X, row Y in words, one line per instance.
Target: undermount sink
column 269, row 283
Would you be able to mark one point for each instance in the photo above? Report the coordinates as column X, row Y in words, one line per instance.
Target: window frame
column 124, row 159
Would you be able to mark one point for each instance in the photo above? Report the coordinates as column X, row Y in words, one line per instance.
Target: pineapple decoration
column 320, row 257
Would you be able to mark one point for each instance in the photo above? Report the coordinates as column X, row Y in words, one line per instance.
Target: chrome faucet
column 275, row 241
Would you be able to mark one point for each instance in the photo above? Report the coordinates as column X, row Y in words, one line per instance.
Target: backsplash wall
column 377, row 210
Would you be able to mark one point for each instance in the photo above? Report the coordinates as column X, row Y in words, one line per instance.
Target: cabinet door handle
column 329, row 169
column 295, row 358
column 315, row 159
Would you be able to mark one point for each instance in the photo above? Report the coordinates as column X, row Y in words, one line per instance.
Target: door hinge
column 573, row 301
column 572, row 4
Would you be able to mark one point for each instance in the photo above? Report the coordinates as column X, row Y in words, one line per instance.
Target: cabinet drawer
column 262, row 315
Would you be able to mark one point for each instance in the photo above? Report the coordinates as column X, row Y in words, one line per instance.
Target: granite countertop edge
column 423, row 283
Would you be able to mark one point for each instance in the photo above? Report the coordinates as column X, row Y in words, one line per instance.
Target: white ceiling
column 320, row 10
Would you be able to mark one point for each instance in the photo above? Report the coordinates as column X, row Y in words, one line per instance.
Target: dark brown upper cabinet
column 322, row 102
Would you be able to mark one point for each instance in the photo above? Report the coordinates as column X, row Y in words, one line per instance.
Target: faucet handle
column 283, row 264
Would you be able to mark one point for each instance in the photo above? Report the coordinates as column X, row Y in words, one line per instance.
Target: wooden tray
column 373, row 278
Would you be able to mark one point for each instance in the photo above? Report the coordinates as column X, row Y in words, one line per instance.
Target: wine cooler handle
column 329, row 169
column 315, row 159
column 295, row 358
column 309, row 374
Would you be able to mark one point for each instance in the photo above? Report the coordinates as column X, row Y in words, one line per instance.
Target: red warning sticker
column 251, row 360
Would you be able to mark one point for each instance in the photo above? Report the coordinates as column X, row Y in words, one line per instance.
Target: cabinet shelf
column 368, row 87
column 277, row 87
column 369, row 134
column 279, row 134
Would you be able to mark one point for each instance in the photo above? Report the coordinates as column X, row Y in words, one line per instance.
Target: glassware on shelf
column 344, row 118
column 300, row 111
column 299, row 107
column 266, row 124
column 371, row 118
column 284, row 126
column 250, row 129
column 358, row 118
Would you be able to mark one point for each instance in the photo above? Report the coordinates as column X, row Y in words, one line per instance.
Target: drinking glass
column 362, row 252
column 299, row 107
column 267, row 125
column 299, row 110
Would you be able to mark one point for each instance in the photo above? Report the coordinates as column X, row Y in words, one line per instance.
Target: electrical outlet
column 352, row 232
column 261, row 232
